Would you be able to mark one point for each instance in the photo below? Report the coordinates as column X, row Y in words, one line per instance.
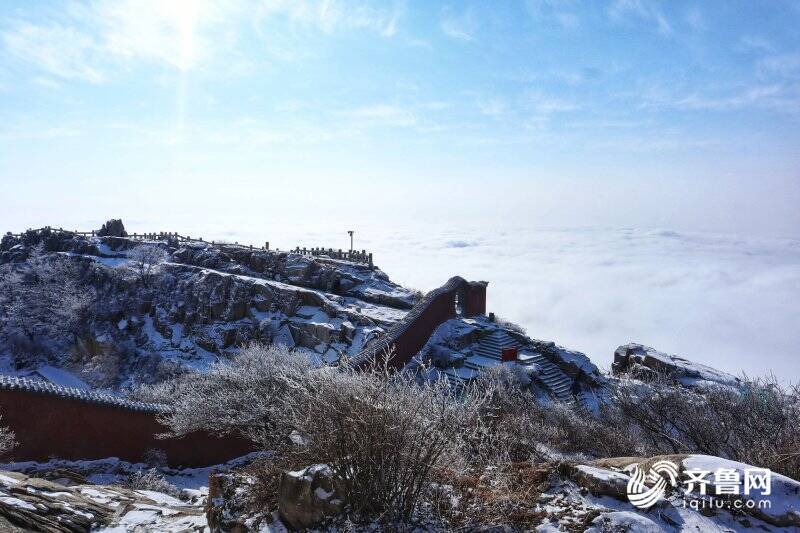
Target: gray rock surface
column 307, row 497
column 35, row 504
column 646, row 363
column 203, row 304
column 112, row 228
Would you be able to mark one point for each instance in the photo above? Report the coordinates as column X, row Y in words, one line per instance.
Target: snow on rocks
column 307, row 497
column 593, row 497
column 203, row 304
column 461, row 348
column 623, row 521
column 646, row 363
column 783, row 494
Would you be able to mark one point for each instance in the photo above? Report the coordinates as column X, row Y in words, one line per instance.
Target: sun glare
column 182, row 16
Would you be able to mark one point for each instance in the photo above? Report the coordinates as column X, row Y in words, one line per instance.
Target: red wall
column 52, row 426
column 410, row 334
column 441, row 309
column 476, row 299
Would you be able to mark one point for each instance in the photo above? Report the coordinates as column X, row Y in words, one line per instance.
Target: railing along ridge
column 353, row 256
column 45, row 387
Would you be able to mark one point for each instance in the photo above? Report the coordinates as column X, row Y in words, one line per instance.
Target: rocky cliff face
column 199, row 305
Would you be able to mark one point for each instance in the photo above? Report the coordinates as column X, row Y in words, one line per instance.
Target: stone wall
column 51, row 421
column 408, row 336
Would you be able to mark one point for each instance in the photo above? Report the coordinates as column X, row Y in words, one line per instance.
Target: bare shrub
column 400, row 450
column 508, row 424
column 155, row 458
column 756, row 423
column 97, row 362
column 146, row 259
column 380, row 433
column 245, row 397
column 7, row 440
column 43, row 297
column 152, row 480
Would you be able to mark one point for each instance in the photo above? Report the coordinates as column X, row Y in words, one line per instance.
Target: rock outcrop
column 35, row 504
column 112, row 228
column 202, row 304
column 307, row 497
column 646, row 363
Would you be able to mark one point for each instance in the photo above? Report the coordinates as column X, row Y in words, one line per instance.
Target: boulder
column 644, row 362
column 306, row 498
column 601, row 482
column 226, row 506
column 113, row 228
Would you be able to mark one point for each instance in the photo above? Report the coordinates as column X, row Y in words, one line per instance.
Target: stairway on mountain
column 559, row 384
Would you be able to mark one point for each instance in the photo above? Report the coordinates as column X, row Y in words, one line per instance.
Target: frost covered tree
column 146, row 259
column 42, row 297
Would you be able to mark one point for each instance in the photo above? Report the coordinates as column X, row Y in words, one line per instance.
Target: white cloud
column 725, row 301
column 493, row 107
column 754, row 42
column 773, row 95
column 460, row 27
column 59, row 50
column 181, row 33
column 381, row 115
column 785, row 66
column 90, row 42
column 646, row 10
column 330, row 16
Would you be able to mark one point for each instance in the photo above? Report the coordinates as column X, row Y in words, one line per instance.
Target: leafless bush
column 155, row 458
column 146, row 259
column 399, row 448
column 508, row 424
column 756, row 423
column 7, row 440
column 380, row 432
column 97, row 362
column 42, row 297
column 152, row 480
column 245, row 397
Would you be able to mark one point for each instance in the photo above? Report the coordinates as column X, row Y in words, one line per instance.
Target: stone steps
column 554, row 379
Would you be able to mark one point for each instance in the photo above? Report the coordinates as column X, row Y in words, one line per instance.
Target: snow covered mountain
column 112, row 310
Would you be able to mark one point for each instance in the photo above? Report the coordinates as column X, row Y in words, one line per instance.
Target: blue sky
column 623, row 113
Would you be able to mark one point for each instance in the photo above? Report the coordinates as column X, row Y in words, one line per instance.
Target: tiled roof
column 44, row 387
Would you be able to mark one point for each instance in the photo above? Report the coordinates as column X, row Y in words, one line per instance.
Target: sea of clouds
column 726, row 301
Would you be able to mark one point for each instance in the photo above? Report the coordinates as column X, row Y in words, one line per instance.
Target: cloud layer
column 726, row 301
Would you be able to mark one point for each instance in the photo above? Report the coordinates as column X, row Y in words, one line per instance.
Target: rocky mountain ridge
column 201, row 303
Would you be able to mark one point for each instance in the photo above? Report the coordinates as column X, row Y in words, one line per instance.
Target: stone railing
column 354, row 256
